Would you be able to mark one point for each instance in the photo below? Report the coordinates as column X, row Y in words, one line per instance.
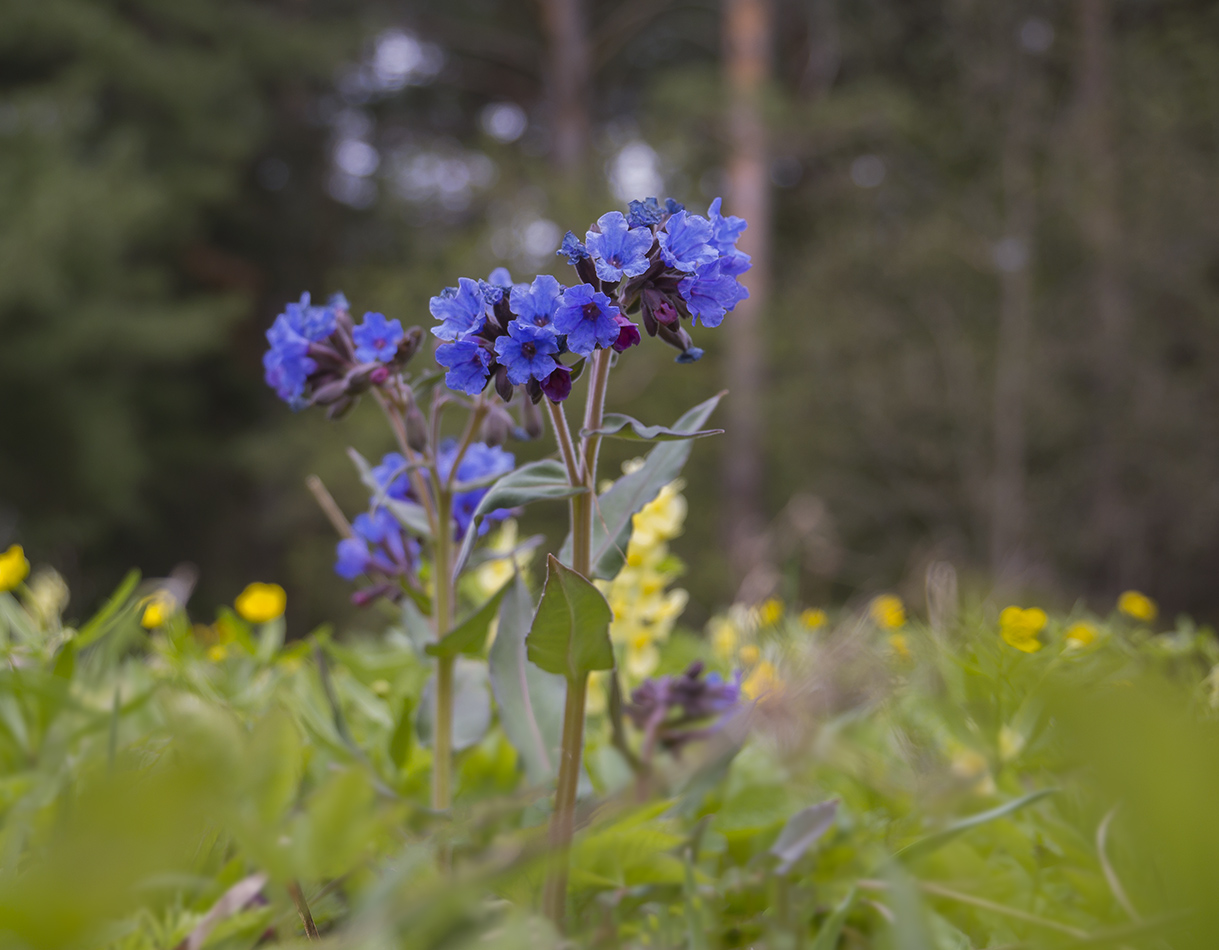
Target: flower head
column 527, row 352
column 572, row 249
column 287, row 364
column 260, row 603
column 158, row 608
column 14, row 567
column 1019, row 628
column 813, row 618
column 1138, row 606
column 667, row 707
column 467, row 364
column 586, row 316
column 461, row 313
column 685, row 242
column 726, row 229
column 481, row 463
column 618, row 249
column 557, row 386
column 1080, row 635
column 377, row 545
column 377, row 338
column 770, row 612
column 390, row 475
column 888, row 611
column 711, row 293
column 628, row 334
column 500, row 277
column 643, row 214
column 313, row 323
column 535, row 303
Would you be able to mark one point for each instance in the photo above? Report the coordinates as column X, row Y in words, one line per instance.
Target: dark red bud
column 557, row 386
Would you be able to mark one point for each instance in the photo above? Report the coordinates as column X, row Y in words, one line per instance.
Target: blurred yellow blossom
column 494, row 574
column 1019, row 628
column 770, row 612
column 888, row 611
column 749, row 654
column 217, row 652
column 725, row 636
column 761, row 680
column 259, row 603
column 813, row 618
column 14, row 568
column 1011, row 743
column 971, row 766
column 900, row 645
column 1137, row 605
column 1080, row 635
column 158, row 608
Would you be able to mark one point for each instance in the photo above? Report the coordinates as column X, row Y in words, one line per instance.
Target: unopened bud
column 341, row 407
column 409, row 346
column 416, row 428
column 496, row 426
column 531, row 418
column 502, row 385
column 330, row 392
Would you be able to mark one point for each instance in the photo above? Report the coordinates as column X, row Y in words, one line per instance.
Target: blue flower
column 481, row 462
column 378, row 543
column 377, row 338
column 726, row 229
column 313, row 323
column 352, row 558
column 390, row 476
column 382, row 528
column 287, row 364
column 572, row 249
column 587, row 317
column 467, row 363
column 672, row 205
column 644, row 213
column 618, row 250
column 500, row 277
column 463, row 312
column 685, row 242
column 711, row 293
column 338, row 301
column 492, row 293
column 527, row 352
column 535, row 303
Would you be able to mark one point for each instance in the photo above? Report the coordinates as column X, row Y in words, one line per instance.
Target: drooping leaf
column 570, row 632
column 530, row 700
column 469, row 635
column 801, row 833
column 616, row 425
column 471, row 705
column 546, row 479
column 615, row 508
column 935, row 841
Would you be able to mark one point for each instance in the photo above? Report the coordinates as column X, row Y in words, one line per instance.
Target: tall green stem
column 563, row 821
column 442, row 612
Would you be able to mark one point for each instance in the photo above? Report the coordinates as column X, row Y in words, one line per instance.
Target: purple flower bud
column 628, row 336
column 557, row 385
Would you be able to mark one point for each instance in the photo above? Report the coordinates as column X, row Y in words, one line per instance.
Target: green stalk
column 563, row 821
column 442, row 758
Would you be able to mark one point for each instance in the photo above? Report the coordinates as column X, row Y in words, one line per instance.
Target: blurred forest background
column 985, row 312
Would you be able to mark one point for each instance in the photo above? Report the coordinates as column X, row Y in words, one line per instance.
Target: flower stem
column 562, row 822
column 442, row 612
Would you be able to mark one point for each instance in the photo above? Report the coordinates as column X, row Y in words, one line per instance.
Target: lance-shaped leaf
column 615, row 425
column 469, row 635
column 570, row 632
column 936, row 840
column 530, row 700
column 614, row 510
column 801, row 833
column 533, row 482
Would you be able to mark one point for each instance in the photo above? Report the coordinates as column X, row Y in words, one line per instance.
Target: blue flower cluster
column 658, row 260
column 676, row 710
column 318, row 356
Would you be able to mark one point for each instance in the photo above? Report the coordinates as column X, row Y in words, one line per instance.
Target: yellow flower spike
column 217, row 652
column 1137, row 605
column 749, row 654
column 1019, row 627
column 1080, row 635
column 900, row 645
column 813, row 618
column 158, row 608
column 771, row 612
column 763, row 679
column 259, row 603
column 888, row 611
column 14, row 568
column 724, row 638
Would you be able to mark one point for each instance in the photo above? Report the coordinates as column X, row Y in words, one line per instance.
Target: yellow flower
column 1136, row 605
column 494, row 574
column 158, row 608
column 724, row 637
column 749, row 654
column 14, row 568
column 813, row 618
column 900, row 645
column 259, row 603
column 888, row 611
column 1080, row 635
column 762, row 679
column 1019, row 628
column 771, row 612
column 217, row 652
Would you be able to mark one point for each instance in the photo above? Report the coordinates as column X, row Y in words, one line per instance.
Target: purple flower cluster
column 674, row 710
column 319, row 356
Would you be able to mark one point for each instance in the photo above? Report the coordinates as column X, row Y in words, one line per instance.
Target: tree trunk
column 747, row 65
column 567, row 79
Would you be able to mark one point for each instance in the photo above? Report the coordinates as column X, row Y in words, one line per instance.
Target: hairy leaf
column 616, row 425
column 570, row 632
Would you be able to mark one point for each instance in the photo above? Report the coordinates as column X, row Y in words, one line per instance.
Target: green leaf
column 615, row 425
column 273, row 766
column 104, row 619
column 400, row 741
column 615, row 509
column 470, row 635
column 801, row 833
column 533, row 482
column 934, row 842
column 530, row 700
column 831, row 928
column 471, row 705
column 570, row 632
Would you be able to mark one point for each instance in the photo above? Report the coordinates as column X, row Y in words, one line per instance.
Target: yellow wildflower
column 380, row 687
column 888, row 611
column 724, row 637
column 771, row 612
column 813, row 618
column 763, row 679
column 217, row 652
column 749, row 654
column 259, row 603
column 971, row 766
column 494, row 574
column 14, row 568
column 158, row 608
column 900, row 645
column 1019, row 628
column 1137, row 605
column 1080, row 635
